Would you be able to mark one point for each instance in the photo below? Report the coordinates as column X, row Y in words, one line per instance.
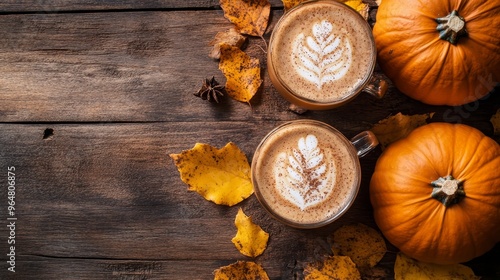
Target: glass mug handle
column 377, row 87
column 364, row 142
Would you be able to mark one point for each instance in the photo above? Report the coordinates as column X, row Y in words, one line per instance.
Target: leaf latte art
column 322, row 57
column 303, row 174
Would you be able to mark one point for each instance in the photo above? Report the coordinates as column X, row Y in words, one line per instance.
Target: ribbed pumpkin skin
column 421, row 226
column 432, row 70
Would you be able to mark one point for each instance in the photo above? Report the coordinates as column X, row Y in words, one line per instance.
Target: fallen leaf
column 249, row 16
column 395, row 127
column 230, row 37
column 288, row 4
column 332, row 267
column 363, row 244
column 407, row 268
column 244, row 270
column 242, row 73
column 358, row 5
column 250, row 239
column 219, row 175
column 495, row 120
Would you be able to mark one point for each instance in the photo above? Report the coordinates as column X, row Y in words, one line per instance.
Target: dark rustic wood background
column 94, row 95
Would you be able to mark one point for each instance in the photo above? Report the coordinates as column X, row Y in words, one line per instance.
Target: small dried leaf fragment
column 407, row 268
column 250, row 239
column 395, row 127
column 332, row 267
column 219, row 175
column 359, row 6
column 242, row 73
column 249, row 16
column 495, row 120
column 229, row 37
column 241, row 270
column 363, row 244
column 296, row 109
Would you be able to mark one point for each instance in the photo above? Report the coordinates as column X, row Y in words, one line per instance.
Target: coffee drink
column 306, row 173
column 321, row 54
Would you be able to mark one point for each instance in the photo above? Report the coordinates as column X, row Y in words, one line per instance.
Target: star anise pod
column 210, row 90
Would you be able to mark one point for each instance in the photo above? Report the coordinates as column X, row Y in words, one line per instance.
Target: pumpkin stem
column 451, row 27
column 448, row 190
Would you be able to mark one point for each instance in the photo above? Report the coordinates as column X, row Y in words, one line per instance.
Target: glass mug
column 322, row 54
column 306, row 173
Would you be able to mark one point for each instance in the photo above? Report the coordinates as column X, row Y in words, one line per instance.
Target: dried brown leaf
column 229, row 37
column 242, row 73
column 241, row 270
column 288, row 4
column 363, row 244
column 332, row 267
column 408, row 268
column 249, row 16
column 395, row 127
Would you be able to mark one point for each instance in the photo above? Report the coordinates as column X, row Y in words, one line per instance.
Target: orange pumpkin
column 440, row 52
column 436, row 193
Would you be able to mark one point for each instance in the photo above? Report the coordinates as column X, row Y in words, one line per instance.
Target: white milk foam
column 306, row 173
column 323, row 57
column 304, row 178
column 322, row 52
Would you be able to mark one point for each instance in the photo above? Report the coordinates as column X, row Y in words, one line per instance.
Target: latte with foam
column 306, row 173
column 321, row 54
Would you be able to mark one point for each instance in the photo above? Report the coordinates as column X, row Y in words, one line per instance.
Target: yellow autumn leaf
column 358, row 5
column 332, row 267
column 249, row 16
column 363, row 244
column 241, row 270
column 395, row 127
column 219, row 175
column 407, row 268
column 242, row 73
column 230, row 37
column 250, row 239
column 495, row 120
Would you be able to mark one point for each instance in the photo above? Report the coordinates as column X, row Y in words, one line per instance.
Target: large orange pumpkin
column 440, row 52
column 436, row 193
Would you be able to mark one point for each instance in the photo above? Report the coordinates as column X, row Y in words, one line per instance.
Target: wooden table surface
column 94, row 95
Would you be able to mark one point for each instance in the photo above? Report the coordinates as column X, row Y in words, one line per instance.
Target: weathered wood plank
column 137, row 66
column 110, row 192
column 50, row 268
column 97, row 195
column 54, row 6
column 143, row 66
column 94, row 197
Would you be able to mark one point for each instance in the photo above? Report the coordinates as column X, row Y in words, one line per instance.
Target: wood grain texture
column 57, row 6
column 141, row 67
column 94, row 95
column 102, row 200
column 110, row 192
